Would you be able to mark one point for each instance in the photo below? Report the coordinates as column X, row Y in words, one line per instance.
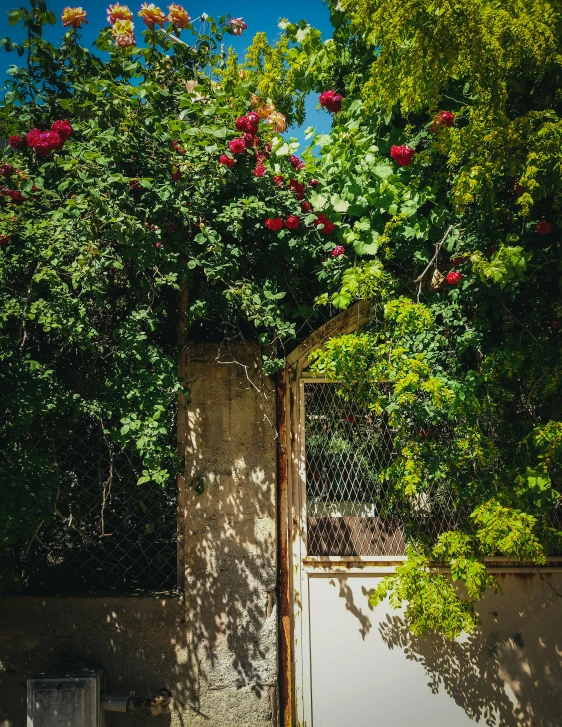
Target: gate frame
column 294, row 671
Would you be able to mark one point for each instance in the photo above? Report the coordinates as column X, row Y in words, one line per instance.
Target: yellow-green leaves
column 504, row 265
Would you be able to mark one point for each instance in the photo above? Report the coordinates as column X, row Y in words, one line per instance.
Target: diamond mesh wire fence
column 352, row 509
column 107, row 534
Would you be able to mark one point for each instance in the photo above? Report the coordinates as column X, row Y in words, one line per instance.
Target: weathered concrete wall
column 217, row 649
column 139, row 642
column 231, row 538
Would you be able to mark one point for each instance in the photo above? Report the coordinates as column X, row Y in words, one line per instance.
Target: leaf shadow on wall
column 507, row 674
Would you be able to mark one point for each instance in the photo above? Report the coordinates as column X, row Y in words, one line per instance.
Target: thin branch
column 74, row 527
column 548, row 583
column 259, row 391
column 438, row 246
column 34, row 537
column 520, row 323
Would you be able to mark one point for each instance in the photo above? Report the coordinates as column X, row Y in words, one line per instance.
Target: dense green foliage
column 459, row 252
column 134, row 208
column 457, row 248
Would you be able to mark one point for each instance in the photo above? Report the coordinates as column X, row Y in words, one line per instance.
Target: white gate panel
column 359, row 666
column 356, row 678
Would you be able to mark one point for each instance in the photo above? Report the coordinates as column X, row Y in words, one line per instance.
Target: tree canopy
column 443, row 169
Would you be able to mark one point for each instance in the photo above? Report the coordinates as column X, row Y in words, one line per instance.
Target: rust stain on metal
column 285, row 642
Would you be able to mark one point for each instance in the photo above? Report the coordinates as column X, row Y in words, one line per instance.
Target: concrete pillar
column 230, row 538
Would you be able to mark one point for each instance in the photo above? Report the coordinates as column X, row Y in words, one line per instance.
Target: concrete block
column 69, row 700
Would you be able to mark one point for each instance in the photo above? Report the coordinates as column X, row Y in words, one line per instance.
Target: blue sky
column 260, row 16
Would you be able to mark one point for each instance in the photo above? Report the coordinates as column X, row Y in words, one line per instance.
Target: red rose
column 313, row 182
column 5, row 240
column 296, row 163
column 176, row 174
column 274, row 224
column 178, row 148
column 292, row 222
column 158, row 245
column 453, row 278
column 16, row 142
column 227, row 161
column 237, row 146
column 306, row 207
column 253, row 121
column 172, row 227
column 250, row 139
column 259, row 171
column 242, row 124
column 544, row 227
column 15, row 195
column 338, row 250
column 555, row 325
column 32, row 137
column 48, row 141
column 134, row 183
column 328, row 227
column 7, row 170
column 443, row 118
column 402, row 155
column 331, row 100
column 63, row 129
column 279, row 181
column 298, row 188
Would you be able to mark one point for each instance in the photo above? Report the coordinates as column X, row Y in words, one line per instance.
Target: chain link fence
column 351, row 507
column 107, row 534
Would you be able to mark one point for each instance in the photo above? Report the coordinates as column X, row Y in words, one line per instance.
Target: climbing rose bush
column 124, row 188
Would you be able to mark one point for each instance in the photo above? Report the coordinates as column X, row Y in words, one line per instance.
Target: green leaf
column 339, row 204
column 14, row 16
column 318, row 201
column 382, row 170
column 198, row 484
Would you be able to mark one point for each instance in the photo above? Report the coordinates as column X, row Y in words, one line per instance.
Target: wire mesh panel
column 351, row 508
column 108, row 533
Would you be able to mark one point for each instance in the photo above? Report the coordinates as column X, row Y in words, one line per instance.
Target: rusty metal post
column 285, row 608
column 183, row 304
